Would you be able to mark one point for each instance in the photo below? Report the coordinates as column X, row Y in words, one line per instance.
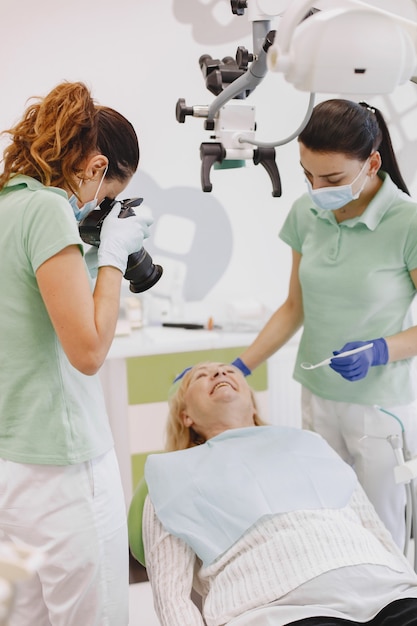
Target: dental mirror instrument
column 310, row 366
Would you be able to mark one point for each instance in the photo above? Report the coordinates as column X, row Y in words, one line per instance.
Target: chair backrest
column 134, row 525
column 134, row 522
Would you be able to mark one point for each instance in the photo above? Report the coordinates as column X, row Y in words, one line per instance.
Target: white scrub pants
column 359, row 434
column 77, row 515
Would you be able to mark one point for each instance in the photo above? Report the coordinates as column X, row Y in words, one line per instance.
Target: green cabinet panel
column 150, row 377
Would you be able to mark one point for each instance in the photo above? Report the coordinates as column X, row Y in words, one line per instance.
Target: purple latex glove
column 242, row 367
column 356, row 366
column 181, row 375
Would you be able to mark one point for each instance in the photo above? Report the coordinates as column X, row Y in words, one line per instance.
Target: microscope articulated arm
column 250, row 79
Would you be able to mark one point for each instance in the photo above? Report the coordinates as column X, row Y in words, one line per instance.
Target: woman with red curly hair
column 60, row 487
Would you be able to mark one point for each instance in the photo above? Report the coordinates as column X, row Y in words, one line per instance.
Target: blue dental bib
column 211, row 494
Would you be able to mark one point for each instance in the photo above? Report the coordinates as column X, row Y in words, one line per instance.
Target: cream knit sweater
column 278, row 554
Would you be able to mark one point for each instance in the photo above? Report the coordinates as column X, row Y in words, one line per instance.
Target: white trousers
column 77, row 515
column 359, row 434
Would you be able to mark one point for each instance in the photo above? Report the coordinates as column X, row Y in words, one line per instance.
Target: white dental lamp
column 353, row 48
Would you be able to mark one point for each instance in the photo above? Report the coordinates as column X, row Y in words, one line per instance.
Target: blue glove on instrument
column 242, row 367
column 356, row 366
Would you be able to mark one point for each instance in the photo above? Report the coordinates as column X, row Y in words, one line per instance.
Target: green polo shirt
column 50, row 412
column 356, row 286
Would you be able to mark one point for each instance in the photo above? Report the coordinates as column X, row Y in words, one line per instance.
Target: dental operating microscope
column 327, row 46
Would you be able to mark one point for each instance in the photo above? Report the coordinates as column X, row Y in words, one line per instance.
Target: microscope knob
column 239, row 6
column 243, row 58
column 181, row 110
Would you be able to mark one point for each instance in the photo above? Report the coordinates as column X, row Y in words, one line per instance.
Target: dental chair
column 134, row 522
column 134, row 526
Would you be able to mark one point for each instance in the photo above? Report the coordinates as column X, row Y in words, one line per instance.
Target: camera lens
column 141, row 271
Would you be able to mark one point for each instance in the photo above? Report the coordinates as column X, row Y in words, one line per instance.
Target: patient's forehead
column 209, row 365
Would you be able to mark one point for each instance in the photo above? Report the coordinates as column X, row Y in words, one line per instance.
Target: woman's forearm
column 281, row 326
column 402, row 345
column 84, row 322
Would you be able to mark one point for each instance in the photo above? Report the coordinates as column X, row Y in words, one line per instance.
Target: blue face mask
column 81, row 213
column 333, row 198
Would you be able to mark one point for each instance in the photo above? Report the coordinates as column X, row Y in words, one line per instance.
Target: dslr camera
column 141, row 271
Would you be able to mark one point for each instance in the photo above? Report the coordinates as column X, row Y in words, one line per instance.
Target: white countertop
column 161, row 340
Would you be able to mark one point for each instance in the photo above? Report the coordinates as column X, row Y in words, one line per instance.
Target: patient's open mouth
column 223, row 383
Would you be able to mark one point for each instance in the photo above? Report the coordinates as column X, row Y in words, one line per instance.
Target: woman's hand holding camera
column 121, row 237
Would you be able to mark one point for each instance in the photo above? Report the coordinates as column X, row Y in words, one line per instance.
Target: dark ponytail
column 354, row 129
column 389, row 161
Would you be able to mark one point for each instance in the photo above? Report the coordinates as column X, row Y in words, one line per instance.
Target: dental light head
column 348, row 51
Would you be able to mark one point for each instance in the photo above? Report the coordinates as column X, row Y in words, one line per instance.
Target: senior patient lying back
column 266, row 522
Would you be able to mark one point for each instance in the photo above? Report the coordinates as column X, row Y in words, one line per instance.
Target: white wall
column 140, row 56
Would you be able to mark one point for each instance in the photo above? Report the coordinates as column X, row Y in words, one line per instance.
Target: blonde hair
column 177, row 435
column 59, row 131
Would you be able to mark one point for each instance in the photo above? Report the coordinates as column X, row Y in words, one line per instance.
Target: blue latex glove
column 356, row 366
column 242, row 367
column 181, row 375
column 120, row 237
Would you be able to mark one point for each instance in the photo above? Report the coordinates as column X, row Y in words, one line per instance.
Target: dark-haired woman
column 60, row 487
column 354, row 244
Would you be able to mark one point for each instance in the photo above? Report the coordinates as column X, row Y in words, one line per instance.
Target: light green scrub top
column 50, row 413
column 356, row 286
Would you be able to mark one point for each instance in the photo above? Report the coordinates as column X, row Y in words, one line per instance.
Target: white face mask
column 333, row 198
column 81, row 213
